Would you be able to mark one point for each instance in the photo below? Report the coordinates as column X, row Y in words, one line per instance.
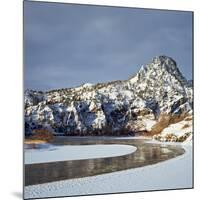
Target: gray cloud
column 67, row 45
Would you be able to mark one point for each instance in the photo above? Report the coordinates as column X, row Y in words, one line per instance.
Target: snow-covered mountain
column 157, row 97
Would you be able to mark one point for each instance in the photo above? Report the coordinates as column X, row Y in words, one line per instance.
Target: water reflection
column 146, row 154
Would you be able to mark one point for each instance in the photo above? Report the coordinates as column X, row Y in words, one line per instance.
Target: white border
column 11, row 111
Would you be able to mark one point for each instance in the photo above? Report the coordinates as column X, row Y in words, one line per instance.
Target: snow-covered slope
column 132, row 106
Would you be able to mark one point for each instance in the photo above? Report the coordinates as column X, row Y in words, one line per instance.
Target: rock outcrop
column 133, row 106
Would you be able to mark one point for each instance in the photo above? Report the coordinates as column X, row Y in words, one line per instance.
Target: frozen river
column 111, row 155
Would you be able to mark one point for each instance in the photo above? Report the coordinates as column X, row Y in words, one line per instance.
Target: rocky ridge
column 147, row 103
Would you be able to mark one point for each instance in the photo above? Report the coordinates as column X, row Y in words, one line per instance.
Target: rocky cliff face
column 136, row 105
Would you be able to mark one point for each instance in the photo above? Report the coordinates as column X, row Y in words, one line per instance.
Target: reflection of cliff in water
column 146, row 154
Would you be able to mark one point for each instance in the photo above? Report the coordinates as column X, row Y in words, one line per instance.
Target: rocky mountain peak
column 115, row 107
column 162, row 70
column 167, row 64
column 164, row 60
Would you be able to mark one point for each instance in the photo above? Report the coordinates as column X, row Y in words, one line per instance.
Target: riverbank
column 31, row 141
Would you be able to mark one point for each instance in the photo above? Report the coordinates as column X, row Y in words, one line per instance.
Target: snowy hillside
column 156, row 98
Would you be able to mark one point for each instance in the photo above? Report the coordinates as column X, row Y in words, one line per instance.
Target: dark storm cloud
column 67, row 45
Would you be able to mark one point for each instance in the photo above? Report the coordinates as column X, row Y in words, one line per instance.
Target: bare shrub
column 185, row 126
column 163, row 122
column 175, row 118
column 42, row 134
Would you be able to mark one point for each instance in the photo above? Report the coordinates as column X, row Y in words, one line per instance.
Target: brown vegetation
column 30, row 141
column 184, row 137
column 185, row 126
column 164, row 121
column 42, row 135
column 172, row 138
column 177, row 118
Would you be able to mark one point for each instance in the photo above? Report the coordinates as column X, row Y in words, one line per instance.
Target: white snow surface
column 178, row 129
column 172, row 174
column 76, row 152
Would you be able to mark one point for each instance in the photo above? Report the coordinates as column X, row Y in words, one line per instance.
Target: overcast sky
column 66, row 45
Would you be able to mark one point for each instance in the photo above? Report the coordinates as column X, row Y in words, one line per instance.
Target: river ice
column 76, row 152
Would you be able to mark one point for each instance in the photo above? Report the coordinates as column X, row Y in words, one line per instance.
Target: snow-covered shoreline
column 76, row 152
column 171, row 174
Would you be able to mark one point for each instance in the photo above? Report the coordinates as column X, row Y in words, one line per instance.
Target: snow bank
column 75, row 152
column 171, row 174
column 178, row 132
column 178, row 129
